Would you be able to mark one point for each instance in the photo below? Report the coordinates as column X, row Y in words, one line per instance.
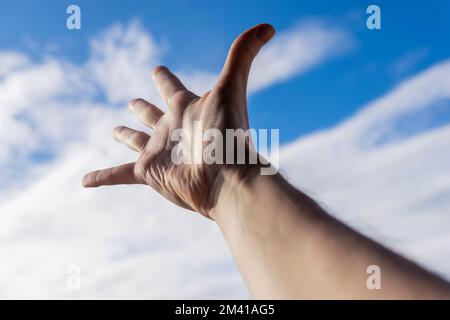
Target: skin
column 284, row 244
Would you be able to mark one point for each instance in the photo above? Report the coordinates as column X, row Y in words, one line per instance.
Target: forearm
column 286, row 246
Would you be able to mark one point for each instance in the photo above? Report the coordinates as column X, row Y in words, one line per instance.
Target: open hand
column 192, row 186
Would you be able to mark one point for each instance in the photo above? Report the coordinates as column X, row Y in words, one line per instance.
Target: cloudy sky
column 364, row 119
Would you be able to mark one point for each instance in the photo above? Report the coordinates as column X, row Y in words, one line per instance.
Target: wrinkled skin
column 192, row 186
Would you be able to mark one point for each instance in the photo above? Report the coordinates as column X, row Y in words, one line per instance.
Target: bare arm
column 284, row 244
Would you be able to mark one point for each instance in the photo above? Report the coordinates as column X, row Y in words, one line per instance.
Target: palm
column 188, row 185
column 224, row 107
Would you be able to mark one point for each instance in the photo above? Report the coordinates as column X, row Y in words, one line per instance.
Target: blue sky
column 198, row 33
column 370, row 111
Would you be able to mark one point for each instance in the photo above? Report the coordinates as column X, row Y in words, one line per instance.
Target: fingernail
column 131, row 103
column 266, row 32
column 158, row 69
column 85, row 181
column 116, row 132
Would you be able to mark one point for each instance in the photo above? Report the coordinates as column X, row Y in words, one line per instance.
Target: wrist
column 231, row 184
column 249, row 200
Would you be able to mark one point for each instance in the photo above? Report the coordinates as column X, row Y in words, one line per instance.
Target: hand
column 283, row 242
column 192, row 186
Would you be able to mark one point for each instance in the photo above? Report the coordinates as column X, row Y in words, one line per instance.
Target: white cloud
column 397, row 191
column 130, row 242
column 11, row 61
column 39, row 101
column 121, row 62
column 297, row 50
column 290, row 53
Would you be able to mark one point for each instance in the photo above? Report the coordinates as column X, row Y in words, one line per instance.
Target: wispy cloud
column 408, row 61
column 290, row 53
column 129, row 241
column 397, row 191
column 296, row 51
column 12, row 61
column 39, row 101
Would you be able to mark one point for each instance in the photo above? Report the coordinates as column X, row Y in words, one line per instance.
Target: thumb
column 241, row 54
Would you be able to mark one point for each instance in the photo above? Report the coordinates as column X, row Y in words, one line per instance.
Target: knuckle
column 140, row 140
column 101, row 176
column 180, row 97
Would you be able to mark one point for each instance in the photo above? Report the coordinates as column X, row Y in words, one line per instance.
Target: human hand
column 193, row 186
